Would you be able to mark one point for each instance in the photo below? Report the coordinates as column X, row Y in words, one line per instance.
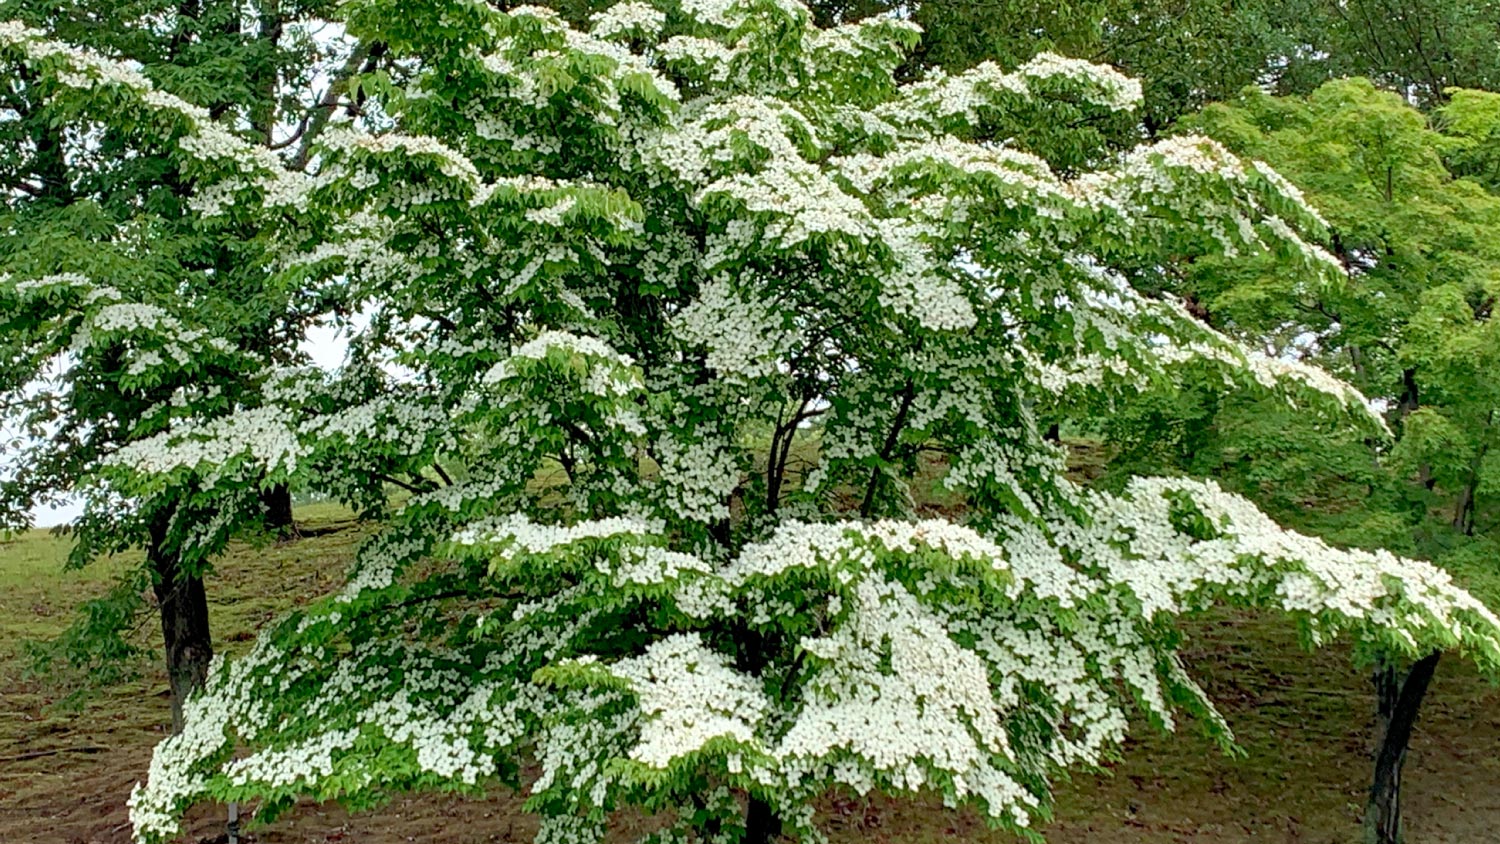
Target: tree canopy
column 1420, row 244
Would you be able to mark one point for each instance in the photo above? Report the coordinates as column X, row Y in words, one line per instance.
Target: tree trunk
column 184, row 620
column 761, row 824
column 1399, row 699
column 1464, row 510
column 1410, row 399
column 278, row 503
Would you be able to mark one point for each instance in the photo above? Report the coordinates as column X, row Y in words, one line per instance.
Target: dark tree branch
column 414, row 490
column 361, row 60
column 908, row 395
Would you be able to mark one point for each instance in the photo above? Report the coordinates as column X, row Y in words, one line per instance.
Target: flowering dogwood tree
column 615, row 279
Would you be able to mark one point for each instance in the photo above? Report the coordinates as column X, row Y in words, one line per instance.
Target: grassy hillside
column 1304, row 720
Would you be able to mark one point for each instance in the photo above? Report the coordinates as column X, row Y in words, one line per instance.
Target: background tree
column 145, row 305
column 1419, row 48
column 1411, row 328
column 1189, row 53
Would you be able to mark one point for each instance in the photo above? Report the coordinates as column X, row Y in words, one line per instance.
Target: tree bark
column 888, row 449
column 1410, row 398
column 278, row 503
column 761, row 824
column 184, row 619
column 1399, row 700
column 1464, row 509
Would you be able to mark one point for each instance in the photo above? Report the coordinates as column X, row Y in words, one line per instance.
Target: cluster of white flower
column 688, row 695
column 405, row 422
column 568, row 829
column 364, row 251
column 1314, row 254
column 575, row 752
column 863, row 42
column 847, row 548
column 450, row 162
column 798, row 201
column 1030, row 650
column 518, row 534
column 706, row 55
column 304, row 761
column 992, row 462
column 960, row 96
column 1031, row 174
column 986, row 87
column 652, row 565
column 917, row 287
column 1272, row 372
column 1103, row 85
column 697, row 475
column 34, row 288
column 1288, row 190
column 265, row 436
column 378, row 561
column 1149, row 171
column 540, row 630
column 1083, row 371
column 629, row 19
column 86, row 67
column 1135, row 540
column 552, row 215
column 896, row 693
column 715, row 137
column 731, row 13
column 1038, row 564
column 542, row 345
column 743, row 336
column 239, row 164
column 152, row 340
column 176, row 774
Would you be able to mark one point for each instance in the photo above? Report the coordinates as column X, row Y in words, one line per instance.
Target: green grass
column 37, row 597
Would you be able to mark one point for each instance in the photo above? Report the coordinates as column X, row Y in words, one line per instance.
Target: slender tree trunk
column 761, row 824
column 1464, row 510
column 1400, row 698
column 1410, row 398
column 908, row 395
column 184, row 620
column 278, row 503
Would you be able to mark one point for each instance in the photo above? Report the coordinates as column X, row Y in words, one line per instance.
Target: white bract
column 666, row 318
